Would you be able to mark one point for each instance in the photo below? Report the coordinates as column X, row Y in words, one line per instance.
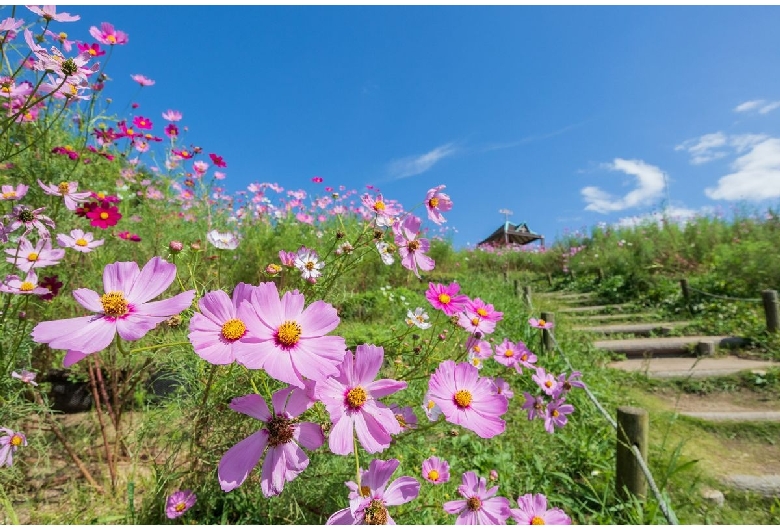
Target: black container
column 67, row 394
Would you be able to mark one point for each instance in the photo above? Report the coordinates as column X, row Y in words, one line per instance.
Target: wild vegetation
column 239, row 357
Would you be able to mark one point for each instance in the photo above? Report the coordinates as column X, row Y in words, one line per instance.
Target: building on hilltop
column 511, row 234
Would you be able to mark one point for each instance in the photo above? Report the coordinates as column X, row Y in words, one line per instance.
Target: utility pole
column 506, row 213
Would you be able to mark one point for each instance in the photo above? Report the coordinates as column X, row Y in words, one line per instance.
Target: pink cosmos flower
column 468, row 400
column 125, row 308
column 368, row 503
column 432, row 410
column 566, row 384
column 532, row 509
column 13, row 284
column 406, row 417
column 507, row 353
column 385, row 211
column 104, row 215
column 437, row 202
column 142, row 80
column 287, row 258
column 50, row 13
column 172, row 115
column 351, row 399
column 290, row 341
column 556, row 414
column 547, row 382
column 10, row 441
column 479, row 348
column 11, row 25
column 436, row 470
column 484, row 310
column 142, row 123
column 411, row 249
column 446, row 298
column 216, row 331
column 66, row 190
column 541, row 324
column 22, row 216
column 475, row 324
column 218, row 160
column 93, row 49
column 108, row 35
column 535, row 406
column 316, row 180
column 502, row 387
column 281, row 434
column 480, row 506
column 526, row 358
column 79, row 241
column 179, row 502
column 25, row 377
column 27, row 256
column 11, row 193
column 223, row 240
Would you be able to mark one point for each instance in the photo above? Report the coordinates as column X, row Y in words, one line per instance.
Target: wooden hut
column 508, row 234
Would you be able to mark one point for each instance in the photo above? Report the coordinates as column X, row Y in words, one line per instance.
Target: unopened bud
column 493, row 475
column 175, row 246
column 273, row 269
column 340, row 234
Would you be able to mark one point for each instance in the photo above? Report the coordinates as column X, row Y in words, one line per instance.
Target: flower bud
column 175, row 246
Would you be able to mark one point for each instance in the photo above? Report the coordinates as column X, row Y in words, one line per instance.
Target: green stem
column 156, row 346
column 357, row 460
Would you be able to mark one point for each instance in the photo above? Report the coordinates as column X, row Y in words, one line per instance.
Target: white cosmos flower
column 308, row 262
column 384, row 253
column 223, row 240
column 418, row 318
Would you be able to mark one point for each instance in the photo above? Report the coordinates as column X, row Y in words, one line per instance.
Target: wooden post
column 547, row 338
column 517, row 291
column 706, row 348
column 770, row 309
column 600, row 274
column 506, row 276
column 549, row 279
column 633, row 426
column 527, row 295
column 686, row 294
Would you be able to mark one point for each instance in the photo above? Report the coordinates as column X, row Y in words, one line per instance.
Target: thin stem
column 357, row 460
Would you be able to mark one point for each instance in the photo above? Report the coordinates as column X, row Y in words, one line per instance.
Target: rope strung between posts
column 666, row 509
column 722, row 297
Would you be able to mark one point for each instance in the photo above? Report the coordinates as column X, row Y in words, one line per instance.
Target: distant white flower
column 308, row 262
column 432, row 410
column 384, row 253
column 344, row 248
column 224, row 241
column 475, row 360
column 418, row 318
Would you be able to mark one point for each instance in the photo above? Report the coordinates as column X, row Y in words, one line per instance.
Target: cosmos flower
column 179, row 502
column 412, row 249
column 50, row 13
column 108, row 35
column 27, row 256
column 556, row 414
column 540, row 323
column 216, row 331
column 385, row 211
column 218, row 160
column 351, row 399
column 437, row 202
column 436, row 470
column 142, row 80
column 10, row 442
column 22, row 216
column 223, row 240
column 418, row 318
column 532, row 509
column 15, row 285
column 480, row 506
column 79, row 241
column 104, row 215
column 125, row 308
column 172, row 115
column 281, row 434
column 308, row 262
column 66, row 190
column 25, row 377
column 11, row 193
column 446, row 298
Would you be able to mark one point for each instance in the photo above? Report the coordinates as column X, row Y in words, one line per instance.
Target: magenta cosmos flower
column 179, row 502
column 437, row 202
column 79, row 241
column 368, row 503
column 27, row 256
column 540, row 323
column 532, row 509
column 446, row 298
column 467, row 399
column 351, row 400
column 108, row 35
column 216, row 331
column 547, row 382
column 555, row 415
column 10, row 441
column 479, row 348
column 104, row 215
column 66, row 190
column 411, row 249
column 436, row 470
column 480, row 506
column 385, row 211
column 290, row 342
column 281, row 434
column 125, row 308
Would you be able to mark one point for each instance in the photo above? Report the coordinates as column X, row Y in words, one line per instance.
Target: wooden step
column 766, row 485
column 560, row 295
column 643, row 328
column 593, row 308
column 665, row 346
column 752, row 415
column 620, row 316
column 691, row 367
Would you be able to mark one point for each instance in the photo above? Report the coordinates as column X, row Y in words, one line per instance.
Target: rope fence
column 768, row 298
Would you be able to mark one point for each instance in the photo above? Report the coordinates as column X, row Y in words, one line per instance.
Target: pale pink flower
column 13, row 193
column 79, row 241
column 436, row 470
column 142, row 80
column 532, row 509
column 412, row 249
column 108, row 35
column 50, row 13
column 437, row 202
column 172, row 115
column 27, row 256
column 66, row 190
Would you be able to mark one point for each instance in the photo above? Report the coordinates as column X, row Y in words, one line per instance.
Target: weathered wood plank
column 685, row 367
column 663, row 345
column 593, row 308
column 752, row 415
column 642, row 328
column 621, row 316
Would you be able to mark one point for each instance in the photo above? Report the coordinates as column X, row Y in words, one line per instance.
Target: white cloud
column 749, row 105
column 414, row 165
column 743, row 142
column 702, row 149
column 756, row 175
column 675, row 214
column 769, row 108
column 650, row 180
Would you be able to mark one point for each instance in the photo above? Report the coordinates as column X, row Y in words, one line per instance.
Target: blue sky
column 568, row 116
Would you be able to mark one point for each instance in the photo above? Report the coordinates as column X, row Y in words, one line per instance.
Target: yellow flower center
column 309, row 265
column 16, row 440
column 26, row 286
column 63, row 188
column 111, row 39
column 444, row 298
column 401, row 421
column 104, row 215
column 375, row 513
column 81, row 242
column 357, row 397
column 9, row 194
column 537, row 520
column 474, row 321
column 477, row 349
column 32, row 256
column 555, row 413
column 92, row 52
column 130, row 132
column 542, row 322
column 288, row 334
column 180, row 507
column 114, row 304
column 474, row 504
column 509, row 353
column 524, row 357
column 101, row 195
column 431, row 404
column 433, row 474
column 63, row 35
column 462, row 398
column 413, row 245
column 548, row 384
column 379, row 206
column 233, row 329
column 365, row 491
column 434, row 202
column 6, row 89
column 475, row 361
column 482, row 312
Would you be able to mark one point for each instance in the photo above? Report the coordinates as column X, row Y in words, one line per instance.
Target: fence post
column 600, row 274
column 547, row 338
column 527, row 295
column 549, row 279
column 770, row 309
column 633, row 425
column 516, row 287
column 686, row 292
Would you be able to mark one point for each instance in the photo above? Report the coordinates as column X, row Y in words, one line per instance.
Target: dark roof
column 509, row 233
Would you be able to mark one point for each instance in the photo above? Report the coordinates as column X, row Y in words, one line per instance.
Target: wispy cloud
column 415, row 165
column 650, row 186
column 718, row 145
column 761, row 105
column 675, row 214
column 756, row 175
column 529, row 139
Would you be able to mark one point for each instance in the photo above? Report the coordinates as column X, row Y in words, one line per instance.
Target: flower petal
column 120, row 276
column 309, row 435
column 401, row 491
column 89, row 299
column 318, row 319
column 238, row 462
column 252, row 405
column 156, row 276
